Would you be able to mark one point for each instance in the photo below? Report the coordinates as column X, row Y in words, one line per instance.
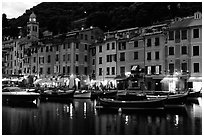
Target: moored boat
column 16, row 94
column 136, row 104
column 171, row 100
column 82, row 94
column 57, row 95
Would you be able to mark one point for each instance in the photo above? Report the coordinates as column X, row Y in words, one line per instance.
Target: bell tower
column 32, row 27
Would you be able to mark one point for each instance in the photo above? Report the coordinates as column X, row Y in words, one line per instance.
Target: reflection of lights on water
column 71, row 111
column 200, row 102
column 84, row 109
column 66, row 108
column 176, row 120
column 57, row 111
column 126, row 120
column 149, row 119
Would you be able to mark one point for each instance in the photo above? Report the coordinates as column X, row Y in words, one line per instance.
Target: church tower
column 32, row 27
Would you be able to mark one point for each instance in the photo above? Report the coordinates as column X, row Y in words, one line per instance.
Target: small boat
column 56, row 95
column 82, row 94
column 171, row 100
column 136, row 104
column 16, row 94
column 194, row 94
column 109, row 94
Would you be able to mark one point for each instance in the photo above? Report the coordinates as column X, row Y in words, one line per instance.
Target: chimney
column 197, row 15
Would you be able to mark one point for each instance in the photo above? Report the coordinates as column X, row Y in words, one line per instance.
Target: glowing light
column 126, row 120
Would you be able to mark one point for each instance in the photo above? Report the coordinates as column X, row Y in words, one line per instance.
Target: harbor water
column 81, row 117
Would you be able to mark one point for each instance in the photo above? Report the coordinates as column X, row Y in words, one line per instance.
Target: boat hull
column 19, row 98
column 82, row 95
column 142, row 104
column 57, row 96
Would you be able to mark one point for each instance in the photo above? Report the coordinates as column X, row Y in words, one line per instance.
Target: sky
column 17, row 8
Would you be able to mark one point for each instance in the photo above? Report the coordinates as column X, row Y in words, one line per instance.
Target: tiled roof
column 186, row 22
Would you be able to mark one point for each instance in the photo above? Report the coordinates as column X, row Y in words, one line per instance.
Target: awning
column 195, row 79
column 133, row 68
column 169, row 79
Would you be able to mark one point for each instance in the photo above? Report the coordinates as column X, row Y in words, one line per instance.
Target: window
column 171, row 68
column 68, row 57
column 195, row 33
column 171, row 35
column 196, row 67
column 85, row 58
column 184, row 50
column 93, row 62
column 64, row 46
column 157, row 42
column 77, row 57
column 171, row 50
column 77, row 69
column 122, row 70
column 85, row 46
column 47, row 49
column 57, row 48
column 184, row 67
column 153, row 70
column 135, row 55
column 86, row 37
column 135, row 43
column 107, row 71
column 41, row 49
column 157, row 55
column 57, row 57
column 63, row 57
column 108, row 58
column 184, row 34
column 34, row 59
column 48, row 59
column 48, row 70
column 100, row 60
column 122, row 46
column 68, row 69
column 51, row 48
column 149, row 70
column 122, row 56
column 41, row 71
column 108, row 46
column 68, row 45
column 85, row 70
column 114, row 57
column 113, row 70
column 77, row 45
column 177, row 36
column 63, row 71
column 100, row 49
column 113, row 45
column 149, row 42
column 148, row 55
column 100, row 71
column 195, row 50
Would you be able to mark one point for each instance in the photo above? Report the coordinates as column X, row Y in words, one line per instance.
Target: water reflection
column 80, row 116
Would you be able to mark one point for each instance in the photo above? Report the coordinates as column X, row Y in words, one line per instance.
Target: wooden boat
column 82, row 94
column 50, row 95
column 137, row 104
column 175, row 99
column 194, row 94
column 16, row 94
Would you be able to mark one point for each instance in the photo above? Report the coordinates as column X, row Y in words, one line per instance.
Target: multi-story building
column 154, row 46
column 183, row 50
column 105, row 60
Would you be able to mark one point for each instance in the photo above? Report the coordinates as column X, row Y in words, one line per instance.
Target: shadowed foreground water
column 80, row 117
